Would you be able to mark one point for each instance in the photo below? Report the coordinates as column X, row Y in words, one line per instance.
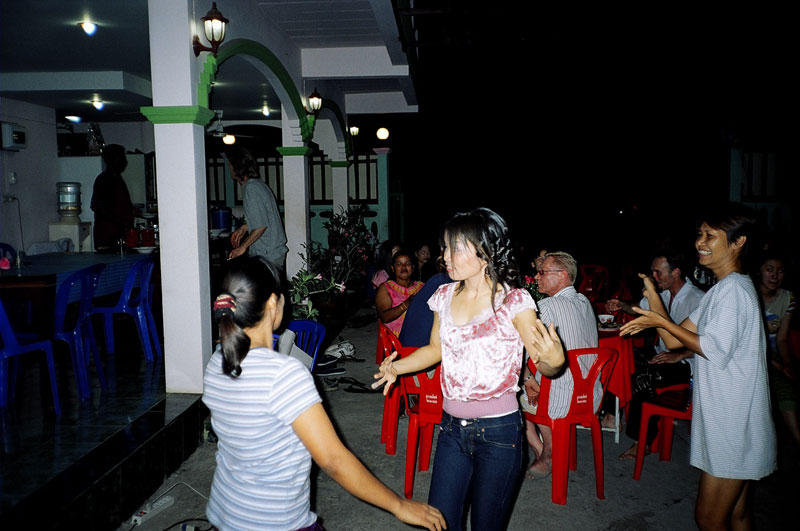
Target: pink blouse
column 398, row 294
column 481, row 360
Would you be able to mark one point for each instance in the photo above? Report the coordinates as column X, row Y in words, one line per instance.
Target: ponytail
column 246, row 289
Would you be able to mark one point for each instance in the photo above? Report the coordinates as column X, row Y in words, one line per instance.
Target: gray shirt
column 261, row 210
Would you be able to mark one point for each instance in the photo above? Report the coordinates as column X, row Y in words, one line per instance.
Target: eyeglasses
column 543, row 271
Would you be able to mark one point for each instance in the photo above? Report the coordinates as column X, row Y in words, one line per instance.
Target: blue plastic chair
column 310, row 335
column 6, row 251
column 11, row 348
column 80, row 332
column 134, row 300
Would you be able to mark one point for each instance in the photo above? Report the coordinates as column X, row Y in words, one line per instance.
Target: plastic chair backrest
column 6, row 332
column 6, row 251
column 62, row 300
column 310, row 335
column 387, row 340
column 137, row 276
column 86, row 279
column 582, row 402
column 429, row 390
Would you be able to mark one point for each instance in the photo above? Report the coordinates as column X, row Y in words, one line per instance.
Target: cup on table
column 605, row 319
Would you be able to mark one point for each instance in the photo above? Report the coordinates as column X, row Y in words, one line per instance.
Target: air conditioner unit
column 14, row 136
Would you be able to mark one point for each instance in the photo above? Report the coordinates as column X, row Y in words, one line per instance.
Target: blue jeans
column 477, row 461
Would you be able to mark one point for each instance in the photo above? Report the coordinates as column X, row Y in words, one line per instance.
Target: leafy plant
column 330, row 270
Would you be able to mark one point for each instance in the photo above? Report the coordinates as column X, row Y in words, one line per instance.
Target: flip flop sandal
column 353, row 388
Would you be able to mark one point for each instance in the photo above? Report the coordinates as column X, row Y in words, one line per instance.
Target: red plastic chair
column 422, row 419
column 673, row 402
column 388, row 343
column 581, row 411
column 594, row 282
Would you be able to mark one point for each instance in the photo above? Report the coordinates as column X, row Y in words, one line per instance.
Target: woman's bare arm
column 383, row 303
column 543, row 345
column 315, row 431
column 674, row 336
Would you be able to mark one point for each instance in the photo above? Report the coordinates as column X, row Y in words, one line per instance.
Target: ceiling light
column 382, row 133
column 214, row 25
column 265, row 110
column 74, row 119
column 353, row 130
column 228, row 139
column 88, row 27
column 98, row 104
column 315, row 101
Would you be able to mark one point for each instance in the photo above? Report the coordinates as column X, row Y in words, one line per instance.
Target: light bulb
column 228, row 139
column 382, row 133
column 265, row 110
column 88, row 27
column 98, row 104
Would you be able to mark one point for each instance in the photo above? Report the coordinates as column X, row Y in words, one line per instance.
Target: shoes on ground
column 341, row 349
column 329, row 384
column 325, row 360
column 327, row 372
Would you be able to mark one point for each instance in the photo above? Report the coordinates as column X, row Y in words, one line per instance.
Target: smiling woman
column 395, row 295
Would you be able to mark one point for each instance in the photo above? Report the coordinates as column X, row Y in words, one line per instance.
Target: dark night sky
column 558, row 124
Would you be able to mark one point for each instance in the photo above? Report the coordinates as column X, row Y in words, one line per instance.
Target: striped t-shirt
column 262, row 476
column 732, row 431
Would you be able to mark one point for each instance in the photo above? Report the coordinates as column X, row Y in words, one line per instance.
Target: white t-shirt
column 262, row 476
column 732, row 431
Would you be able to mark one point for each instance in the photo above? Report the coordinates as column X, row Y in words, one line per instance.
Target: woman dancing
column 481, row 323
column 733, row 437
column 270, row 422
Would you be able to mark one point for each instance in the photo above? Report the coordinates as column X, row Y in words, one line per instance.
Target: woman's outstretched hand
column 421, row 514
column 648, row 319
column 386, row 374
column 649, row 287
column 547, row 348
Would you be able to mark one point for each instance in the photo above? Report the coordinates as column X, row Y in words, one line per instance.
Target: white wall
column 36, row 169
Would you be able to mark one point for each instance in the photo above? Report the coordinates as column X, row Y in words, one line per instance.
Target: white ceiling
column 46, row 59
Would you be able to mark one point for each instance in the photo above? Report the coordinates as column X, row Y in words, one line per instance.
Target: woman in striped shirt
column 733, row 437
column 270, row 421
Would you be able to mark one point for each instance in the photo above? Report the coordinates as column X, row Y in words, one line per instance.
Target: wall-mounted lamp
column 214, row 25
column 98, row 104
column 353, row 130
column 228, row 139
column 315, row 101
column 88, row 27
column 265, row 109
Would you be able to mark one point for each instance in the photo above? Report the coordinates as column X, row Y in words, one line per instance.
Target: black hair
column 488, row 233
column 242, row 162
column 385, row 255
column 114, row 157
column 250, row 282
column 675, row 260
column 736, row 220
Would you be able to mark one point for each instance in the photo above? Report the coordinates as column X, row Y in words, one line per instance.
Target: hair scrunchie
column 224, row 305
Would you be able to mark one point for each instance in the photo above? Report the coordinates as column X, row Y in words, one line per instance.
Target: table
column 620, row 382
column 41, row 275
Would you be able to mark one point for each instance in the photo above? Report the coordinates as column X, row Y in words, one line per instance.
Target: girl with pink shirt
column 481, row 323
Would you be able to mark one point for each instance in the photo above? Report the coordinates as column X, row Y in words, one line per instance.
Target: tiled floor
column 102, row 456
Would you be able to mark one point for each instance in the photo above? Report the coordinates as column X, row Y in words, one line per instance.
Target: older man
column 666, row 367
column 576, row 326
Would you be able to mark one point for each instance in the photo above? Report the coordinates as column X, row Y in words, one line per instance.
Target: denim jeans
column 477, row 461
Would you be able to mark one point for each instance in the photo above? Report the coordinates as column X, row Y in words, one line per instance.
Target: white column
column 183, row 228
column 295, row 201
